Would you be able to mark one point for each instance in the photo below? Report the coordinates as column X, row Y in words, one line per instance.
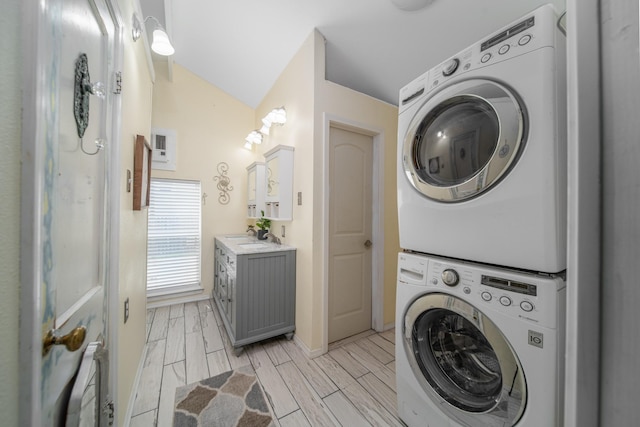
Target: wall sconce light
column 277, row 116
column 254, row 137
column 161, row 44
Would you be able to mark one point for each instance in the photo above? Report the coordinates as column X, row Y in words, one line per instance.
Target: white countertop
column 242, row 244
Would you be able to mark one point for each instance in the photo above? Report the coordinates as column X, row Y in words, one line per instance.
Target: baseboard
column 308, row 352
column 388, row 326
column 134, row 390
column 156, row 302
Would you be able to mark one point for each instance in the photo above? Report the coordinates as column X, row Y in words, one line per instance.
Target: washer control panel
column 526, row 296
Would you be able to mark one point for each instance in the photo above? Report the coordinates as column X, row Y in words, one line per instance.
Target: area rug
column 231, row 399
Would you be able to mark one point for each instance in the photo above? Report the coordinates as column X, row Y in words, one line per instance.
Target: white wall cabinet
column 278, row 183
column 255, row 189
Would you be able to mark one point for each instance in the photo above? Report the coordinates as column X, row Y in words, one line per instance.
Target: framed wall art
column 141, row 173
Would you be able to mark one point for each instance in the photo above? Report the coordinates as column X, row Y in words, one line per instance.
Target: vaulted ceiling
column 372, row 46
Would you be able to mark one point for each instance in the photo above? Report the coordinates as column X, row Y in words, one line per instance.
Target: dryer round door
column 463, row 361
column 463, row 140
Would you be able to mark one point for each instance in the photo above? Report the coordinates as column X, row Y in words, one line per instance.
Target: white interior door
column 66, row 242
column 350, row 239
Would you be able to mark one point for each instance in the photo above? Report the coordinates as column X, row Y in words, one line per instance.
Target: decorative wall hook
column 224, row 183
column 82, row 89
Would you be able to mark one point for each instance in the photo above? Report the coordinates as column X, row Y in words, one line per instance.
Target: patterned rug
column 231, row 399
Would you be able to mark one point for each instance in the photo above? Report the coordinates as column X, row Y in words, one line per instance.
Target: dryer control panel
column 530, row 33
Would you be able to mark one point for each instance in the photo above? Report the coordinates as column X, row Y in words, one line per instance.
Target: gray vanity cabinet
column 255, row 293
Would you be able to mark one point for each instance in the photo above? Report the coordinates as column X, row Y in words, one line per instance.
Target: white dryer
column 477, row 345
column 482, row 151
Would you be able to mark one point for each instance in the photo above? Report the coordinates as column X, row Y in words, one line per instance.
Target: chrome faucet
column 275, row 239
column 252, row 231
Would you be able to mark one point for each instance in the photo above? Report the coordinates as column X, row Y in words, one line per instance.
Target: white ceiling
column 242, row 46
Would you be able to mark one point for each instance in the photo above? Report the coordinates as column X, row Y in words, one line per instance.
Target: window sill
column 173, row 291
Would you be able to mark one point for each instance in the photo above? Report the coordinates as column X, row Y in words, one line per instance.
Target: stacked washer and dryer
column 482, row 218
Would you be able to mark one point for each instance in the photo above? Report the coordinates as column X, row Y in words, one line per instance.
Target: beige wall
column 307, row 97
column 294, row 91
column 136, row 119
column 10, row 93
column 370, row 113
column 211, row 127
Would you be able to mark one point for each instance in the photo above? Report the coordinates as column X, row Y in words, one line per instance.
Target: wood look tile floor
column 353, row 384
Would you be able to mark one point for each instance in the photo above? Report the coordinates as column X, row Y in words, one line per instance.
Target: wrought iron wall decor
column 224, row 183
column 82, row 90
column 271, row 183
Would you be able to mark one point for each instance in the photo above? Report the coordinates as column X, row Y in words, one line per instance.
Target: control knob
column 450, row 277
column 450, row 67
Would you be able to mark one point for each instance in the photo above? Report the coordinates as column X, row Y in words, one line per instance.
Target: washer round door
column 463, row 140
column 463, row 361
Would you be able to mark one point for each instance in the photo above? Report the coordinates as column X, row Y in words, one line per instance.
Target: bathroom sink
column 252, row 245
column 238, row 237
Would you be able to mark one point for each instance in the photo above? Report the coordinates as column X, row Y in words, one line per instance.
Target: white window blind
column 173, row 248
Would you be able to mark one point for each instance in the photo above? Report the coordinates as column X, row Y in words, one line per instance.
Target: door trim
column 112, row 296
column 377, row 219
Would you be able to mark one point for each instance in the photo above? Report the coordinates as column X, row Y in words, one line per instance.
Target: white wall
column 10, row 94
column 620, row 283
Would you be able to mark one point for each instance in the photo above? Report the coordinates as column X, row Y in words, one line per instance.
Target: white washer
column 482, row 151
column 478, row 345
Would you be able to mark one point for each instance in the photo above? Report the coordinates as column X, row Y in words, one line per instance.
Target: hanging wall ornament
column 83, row 88
column 81, row 94
column 224, row 183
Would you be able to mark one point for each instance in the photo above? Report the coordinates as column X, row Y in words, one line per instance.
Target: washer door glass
column 463, row 140
column 461, row 357
column 457, row 360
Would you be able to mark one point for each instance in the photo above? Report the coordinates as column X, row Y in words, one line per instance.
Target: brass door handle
column 72, row 341
column 368, row 243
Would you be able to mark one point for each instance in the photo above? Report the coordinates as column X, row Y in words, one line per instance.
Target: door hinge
column 109, row 409
column 117, row 87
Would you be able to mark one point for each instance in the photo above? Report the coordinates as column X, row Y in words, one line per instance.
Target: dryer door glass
column 463, row 140
column 455, row 141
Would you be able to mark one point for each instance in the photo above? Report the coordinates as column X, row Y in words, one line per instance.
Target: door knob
column 72, row 341
column 368, row 243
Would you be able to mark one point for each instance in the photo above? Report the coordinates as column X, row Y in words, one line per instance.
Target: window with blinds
column 173, row 248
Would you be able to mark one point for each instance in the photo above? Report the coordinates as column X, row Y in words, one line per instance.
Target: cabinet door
column 279, row 183
column 231, row 303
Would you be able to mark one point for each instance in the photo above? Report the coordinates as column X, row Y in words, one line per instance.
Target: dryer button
column 485, row 57
column 466, row 290
column 506, row 301
column 434, row 281
column 524, row 40
column 450, row 67
column 526, row 306
column 486, row 296
column 504, row 49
